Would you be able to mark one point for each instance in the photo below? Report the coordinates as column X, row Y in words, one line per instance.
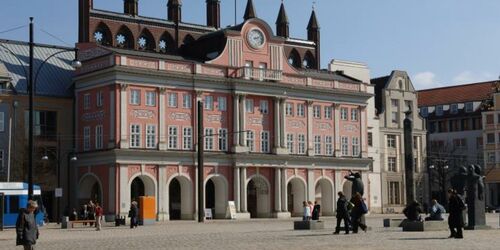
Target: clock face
column 255, row 38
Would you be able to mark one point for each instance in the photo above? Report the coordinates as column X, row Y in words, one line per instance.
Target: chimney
column 213, row 13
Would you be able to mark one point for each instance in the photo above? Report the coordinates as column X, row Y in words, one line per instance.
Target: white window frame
column 392, row 164
column 86, row 138
column 187, row 138
column 454, row 108
column 222, row 103
column 289, row 109
column 264, row 142
column 289, row 143
column 135, row 135
column 424, row 111
column 99, row 98
column 439, row 110
column 344, row 145
column 301, row 149
column 249, row 106
column 209, row 139
column 209, row 103
column 223, row 139
column 86, row 101
column 151, row 136
column 317, row 144
column 172, row 100
column 355, row 147
column 173, row 135
column 343, row 114
column 2, row 121
column 317, row 111
column 264, row 107
column 391, row 141
column 135, row 97
column 329, row 145
column 99, row 142
column 250, row 140
column 469, row 107
column 301, row 110
column 354, row 115
column 328, row 112
column 150, row 98
column 186, row 101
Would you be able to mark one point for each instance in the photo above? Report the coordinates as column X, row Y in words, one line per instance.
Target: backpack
column 364, row 208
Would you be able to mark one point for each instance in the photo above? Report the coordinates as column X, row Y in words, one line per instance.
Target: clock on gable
column 255, row 38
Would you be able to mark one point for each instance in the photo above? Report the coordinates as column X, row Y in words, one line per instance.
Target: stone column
column 162, row 194
column 277, row 189
column 282, row 123
column 284, row 198
column 237, row 188
column 310, row 148
column 243, row 136
column 124, row 191
column 124, row 129
column 161, row 120
column 311, row 189
column 336, row 116
column 277, row 124
column 243, row 189
column 236, row 121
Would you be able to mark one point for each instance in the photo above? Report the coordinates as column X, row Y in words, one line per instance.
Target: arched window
column 309, row 62
column 125, row 38
column 102, row 35
column 294, row 58
column 146, row 41
column 166, row 43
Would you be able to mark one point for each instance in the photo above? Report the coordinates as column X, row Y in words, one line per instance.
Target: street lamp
column 441, row 166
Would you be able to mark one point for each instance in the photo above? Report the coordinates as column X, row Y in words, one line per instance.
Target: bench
column 308, row 225
column 80, row 221
column 393, row 222
column 421, row 226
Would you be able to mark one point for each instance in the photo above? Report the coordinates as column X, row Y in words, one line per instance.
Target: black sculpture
column 459, row 180
column 480, row 182
column 357, row 183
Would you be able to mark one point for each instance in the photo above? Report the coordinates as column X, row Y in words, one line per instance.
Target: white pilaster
column 282, row 123
column 284, row 198
column 243, row 189
column 277, row 189
column 161, row 121
column 237, row 188
column 311, row 189
column 162, row 194
column 364, row 134
column 336, row 117
column 277, row 125
column 112, row 115
column 310, row 149
column 124, row 191
column 236, row 120
column 124, row 130
column 243, row 136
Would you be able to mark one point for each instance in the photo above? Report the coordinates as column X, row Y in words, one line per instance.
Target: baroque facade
column 277, row 131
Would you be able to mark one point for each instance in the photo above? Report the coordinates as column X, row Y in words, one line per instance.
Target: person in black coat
column 342, row 213
column 316, row 211
column 358, row 213
column 455, row 219
column 413, row 211
column 133, row 213
column 26, row 226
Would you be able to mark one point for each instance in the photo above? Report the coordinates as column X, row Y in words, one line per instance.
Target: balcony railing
column 259, row 74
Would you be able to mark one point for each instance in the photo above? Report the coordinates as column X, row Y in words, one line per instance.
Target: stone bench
column 308, row 225
column 393, row 222
column 428, row 226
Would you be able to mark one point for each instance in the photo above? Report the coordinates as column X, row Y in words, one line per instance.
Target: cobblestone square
column 253, row 234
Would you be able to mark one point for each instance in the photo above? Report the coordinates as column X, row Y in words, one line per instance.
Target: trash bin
column 65, row 222
column 119, row 221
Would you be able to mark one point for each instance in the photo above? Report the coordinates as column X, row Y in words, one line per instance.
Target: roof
column 380, row 84
column 54, row 79
column 455, row 94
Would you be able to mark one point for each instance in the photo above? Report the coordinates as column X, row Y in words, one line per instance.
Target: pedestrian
column 342, row 213
column 316, row 211
column 74, row 215
column 84, row 215
column 455, row 219
column 413, row 211
column 311, row 209
column 307, row 211
column 98, row 216
column 26, row 227
column 91, row 212
column 437, row 211
column 133, row 213
column 358, row 213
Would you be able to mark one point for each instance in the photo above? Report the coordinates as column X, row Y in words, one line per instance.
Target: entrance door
column 210, row 195
column 252, row 199
column 174, row 192
column 136, row 189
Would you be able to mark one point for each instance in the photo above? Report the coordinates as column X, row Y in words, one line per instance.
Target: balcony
column 259, row 74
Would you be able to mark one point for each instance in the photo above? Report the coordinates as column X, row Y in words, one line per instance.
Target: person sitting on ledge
column 413, row 211
column 437, row 211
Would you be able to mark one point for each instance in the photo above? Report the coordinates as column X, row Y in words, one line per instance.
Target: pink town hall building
column 277, row 130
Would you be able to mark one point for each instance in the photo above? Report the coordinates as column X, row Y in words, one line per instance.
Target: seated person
column 412, row 211
column 437, row 211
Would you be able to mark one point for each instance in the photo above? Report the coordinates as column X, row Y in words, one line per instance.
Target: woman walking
column 455, row 219
column 358, row 213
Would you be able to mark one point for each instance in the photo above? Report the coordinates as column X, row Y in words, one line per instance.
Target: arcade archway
column 296, row 195
column 216, row 196
column 180, row 198
column 325, row 196
column 258, row 198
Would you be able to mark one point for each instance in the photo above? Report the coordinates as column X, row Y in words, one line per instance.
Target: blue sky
column 439, row 42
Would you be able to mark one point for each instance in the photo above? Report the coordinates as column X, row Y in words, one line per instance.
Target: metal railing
column 259, row 74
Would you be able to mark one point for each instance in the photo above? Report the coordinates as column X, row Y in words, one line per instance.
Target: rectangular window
column 264, row 142
column 222, row 102
column 394, row 193
column 135, row 97
column 343, row 114
column 99, row 99
column 209, row 139
column 439, row 110
column 86, row 138
column 489, row 119
column 391, row 164
column 209, row 102
column 491, row 157
column 86, row 101
column 2, row 121
column 264, row 107
column 135, row 136
column 150, row 136
column 355, row 147
column 249, row 105
column 329, row 145
column 354, row 114
column 395, row 111
column 172, row 100
column 469, row 107
column 391, row 141
column 317, row 145
column 251, row 141
column 490, row 138
column 302, row 144
column 345, row 145
column 172, row 137
column 289, row 143
column 301, row 110
column 186, row 101
column 187, row 138
column 150, row 98
column 222, row 139
column 370, row 139
column 454, row 108
column 424, row 111
column 328, row 112
column 317, row 111
column 98, row 137
column 289, row 109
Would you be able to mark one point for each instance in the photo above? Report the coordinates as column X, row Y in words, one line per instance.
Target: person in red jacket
column 98, row 216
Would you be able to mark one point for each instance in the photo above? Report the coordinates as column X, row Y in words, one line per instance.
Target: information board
column 208, row 214
column 231, row 210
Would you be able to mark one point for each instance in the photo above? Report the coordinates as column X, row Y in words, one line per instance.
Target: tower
column 213, row 13
column 249, row 11
column 313, row 34
column 282, row 28
column 131, row 7
column 174, row 11
column 84, row 7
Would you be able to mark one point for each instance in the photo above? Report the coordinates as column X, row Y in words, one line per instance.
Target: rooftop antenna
column 235, row 10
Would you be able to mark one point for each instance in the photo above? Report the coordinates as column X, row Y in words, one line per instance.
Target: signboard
column 2, row 198
column 231, row 210
column 208, row 213
column 59, row 192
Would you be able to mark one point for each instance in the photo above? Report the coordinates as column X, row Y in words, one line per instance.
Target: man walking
column 26, row 227
column 342, row 213
column 455, row 219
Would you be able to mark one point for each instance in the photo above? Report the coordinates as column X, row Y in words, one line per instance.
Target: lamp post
column 441, row 166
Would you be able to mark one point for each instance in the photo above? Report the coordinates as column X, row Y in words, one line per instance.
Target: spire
column 313, row 34
column 249, row 11
column 313, row 21
column 174, row 10
column 213, row 13
column 282, row 28
column 131, row 7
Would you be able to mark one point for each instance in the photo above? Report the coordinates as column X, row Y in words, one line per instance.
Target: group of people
column 311, row 212
column 91, row 211
column 351, row 212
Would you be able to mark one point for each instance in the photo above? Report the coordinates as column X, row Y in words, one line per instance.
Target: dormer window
column 454, row 108
column 469, row 107
column 424, row 111
column 439, row 110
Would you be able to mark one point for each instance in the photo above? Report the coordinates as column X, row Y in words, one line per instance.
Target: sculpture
column 357, row 183
column 459, row 180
